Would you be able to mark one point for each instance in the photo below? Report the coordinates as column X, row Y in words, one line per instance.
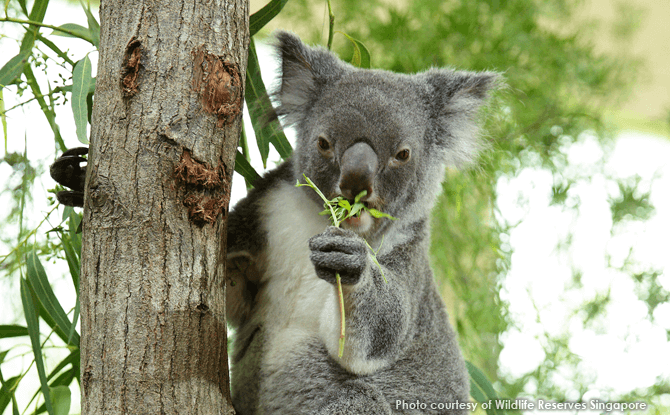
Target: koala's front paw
column 340, row 251
column 67, row 171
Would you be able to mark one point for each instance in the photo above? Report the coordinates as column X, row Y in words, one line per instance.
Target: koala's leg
column 242, row 285
column 355, row 397
column 306, row 380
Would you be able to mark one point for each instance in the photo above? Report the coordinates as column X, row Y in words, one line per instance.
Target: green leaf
column 68, row 88
column 255, row 95
column 74, row 227
column 377, row 214
column 361, row 56
column 66, row 213
column 260, row 109
column 75, row 317
column 60, row 399
column 72, row 245
column 36, row 15
column 359, row 196
column 12, row 330
column 13, row 69
column 32, row 322
column 71, row 359
column 72, row 260
column 345, row 204
column 80, row 31
column 3, row 117
column 39, row 10
column 476, row 392
column 22, row 3
column 243, row 167
column 7, row 391
column 357, row 207
column 39, row 282
column 483, row 385
column 264, row 15
column 3, row 354
column 63, row 380
column 93, row 25
column 245, row 160
column 81, row 79
column 48, row 319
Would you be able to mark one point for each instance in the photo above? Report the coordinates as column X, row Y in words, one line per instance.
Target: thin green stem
column 28, row 236
column 48, row 26
column 56, row 49
column 50, row 95
column 340, row 296
column 331, row 24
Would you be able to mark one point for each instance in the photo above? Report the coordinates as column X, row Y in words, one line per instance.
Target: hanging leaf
column 3, row 117
column 93, row 25
column 72, row 260
column 7, row 391
column 75, row 318
column 79, row 31
column 39, row 282
column 264, row 15
column 60, row 400
column 33, row 324
column 12, row 330
column 361, row 56
column 36, row 15
column 13, row 69
column 259, row 109
column 81, row 80
column 481, row 387
column 243, row 167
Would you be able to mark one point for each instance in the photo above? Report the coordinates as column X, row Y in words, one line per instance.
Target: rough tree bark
column 166, row 121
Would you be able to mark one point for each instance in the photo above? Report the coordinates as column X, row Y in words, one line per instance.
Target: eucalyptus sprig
column 339, row 210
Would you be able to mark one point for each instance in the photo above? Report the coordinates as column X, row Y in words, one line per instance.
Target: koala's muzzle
column 357, row 170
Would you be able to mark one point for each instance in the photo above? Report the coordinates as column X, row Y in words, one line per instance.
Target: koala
column 388, row 134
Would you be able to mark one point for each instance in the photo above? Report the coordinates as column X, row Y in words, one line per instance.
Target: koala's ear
column 455, row 100
column 305, row 71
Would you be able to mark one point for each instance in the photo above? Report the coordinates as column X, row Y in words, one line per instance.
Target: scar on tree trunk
column 204, row 189
column 218, row 82
column 131, row 67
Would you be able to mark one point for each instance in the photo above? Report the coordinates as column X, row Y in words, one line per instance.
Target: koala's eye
column 324, row 145
column 403, row 155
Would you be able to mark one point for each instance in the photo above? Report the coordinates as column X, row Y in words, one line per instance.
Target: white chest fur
column 297, row 304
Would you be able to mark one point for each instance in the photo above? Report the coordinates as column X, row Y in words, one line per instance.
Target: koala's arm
column 246, row 241
column 379, row 314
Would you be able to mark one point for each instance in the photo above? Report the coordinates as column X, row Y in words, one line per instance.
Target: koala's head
column 390, row 134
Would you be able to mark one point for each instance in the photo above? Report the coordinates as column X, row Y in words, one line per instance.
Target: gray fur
column 283, row 256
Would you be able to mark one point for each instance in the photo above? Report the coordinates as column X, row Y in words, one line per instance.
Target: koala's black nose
column 357, row 170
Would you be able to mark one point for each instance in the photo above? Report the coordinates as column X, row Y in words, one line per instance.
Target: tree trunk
column 166, row 122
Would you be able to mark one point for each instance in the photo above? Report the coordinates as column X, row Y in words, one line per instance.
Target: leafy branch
column 341, row 209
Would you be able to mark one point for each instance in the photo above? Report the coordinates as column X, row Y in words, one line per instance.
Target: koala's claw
column 70, row 198
column 338, row 251
column 68, row 171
